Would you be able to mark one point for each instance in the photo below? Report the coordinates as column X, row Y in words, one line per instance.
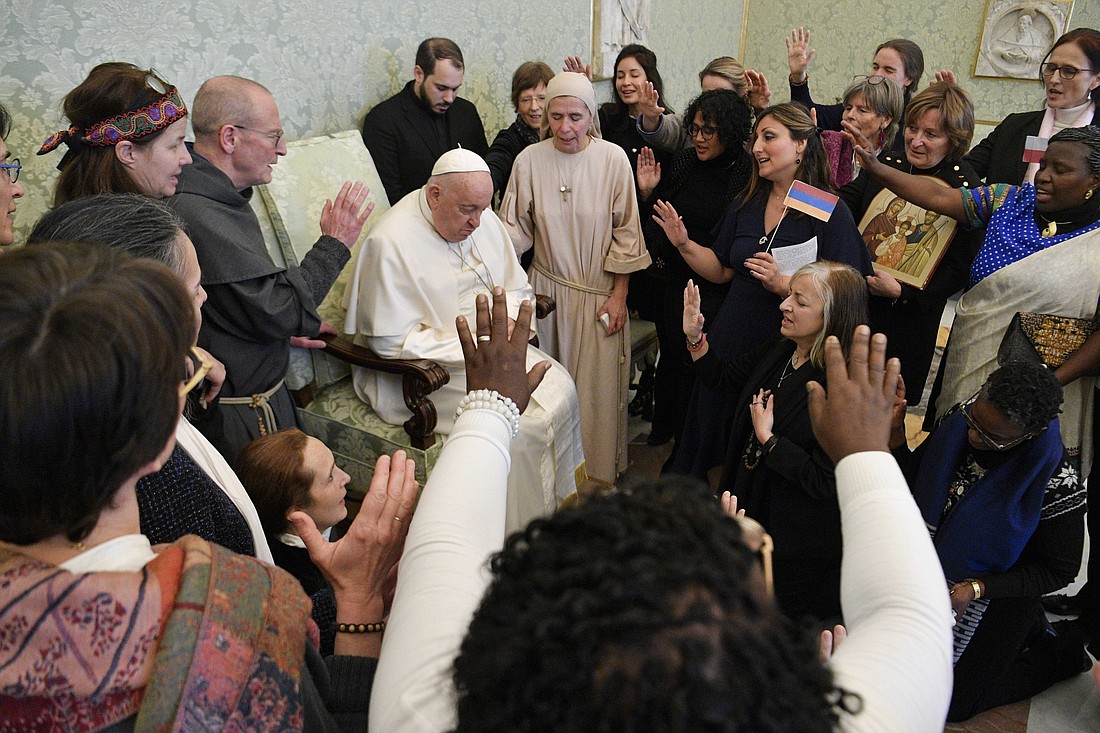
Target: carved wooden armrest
column 419, row 378
column 545, row 305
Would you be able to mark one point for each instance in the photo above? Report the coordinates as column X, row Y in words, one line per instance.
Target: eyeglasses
column 706, row 131
column 994, row 443
column 873, row 79
column 273, row 136
column 759, row 542
column 200, row 367
column 1065, row 72
column 530, row 99
column 12, row 168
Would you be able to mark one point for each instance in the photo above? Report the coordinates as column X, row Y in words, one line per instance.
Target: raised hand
column 799, row 54
column 693, row 317
column 648, row 174
column 359, row 564
column 649, row 101
column 946, row 76
column 897, row 421
column 498, row 361
column 671, row 222
column 729, row 506
column 759, row 94
column 344, row 219
column 857, row 412
column 576, row 65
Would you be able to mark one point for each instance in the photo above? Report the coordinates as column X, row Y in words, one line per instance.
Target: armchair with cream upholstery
column 289, row 209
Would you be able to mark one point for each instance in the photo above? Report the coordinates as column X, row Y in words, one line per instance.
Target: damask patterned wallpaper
column 326, row 63
column 846, row 33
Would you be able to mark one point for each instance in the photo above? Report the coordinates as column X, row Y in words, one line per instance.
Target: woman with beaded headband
column 126, row 135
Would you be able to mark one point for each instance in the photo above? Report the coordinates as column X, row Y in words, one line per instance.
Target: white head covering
column 571, row 84
column 459, row 160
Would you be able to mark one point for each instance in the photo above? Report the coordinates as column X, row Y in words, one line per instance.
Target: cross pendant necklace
column 565, row 191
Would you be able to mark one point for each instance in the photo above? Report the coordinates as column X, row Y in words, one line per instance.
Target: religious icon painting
column 905, row 240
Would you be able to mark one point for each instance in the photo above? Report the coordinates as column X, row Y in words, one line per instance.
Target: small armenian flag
column 1034, row 147
column 809, row 200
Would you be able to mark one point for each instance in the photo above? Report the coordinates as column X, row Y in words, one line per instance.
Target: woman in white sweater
column 893, row 673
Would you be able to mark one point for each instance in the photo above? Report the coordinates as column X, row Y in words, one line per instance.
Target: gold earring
column 1088, row 194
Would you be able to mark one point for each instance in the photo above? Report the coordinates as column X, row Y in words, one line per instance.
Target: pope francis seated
column 424, row 263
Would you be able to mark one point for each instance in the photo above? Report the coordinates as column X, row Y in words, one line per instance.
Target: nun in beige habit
column 571, row 197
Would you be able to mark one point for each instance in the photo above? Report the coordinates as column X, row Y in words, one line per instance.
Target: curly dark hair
column 726, row 112
column 1026, row 392
column 1089, row 136
column 638, row 610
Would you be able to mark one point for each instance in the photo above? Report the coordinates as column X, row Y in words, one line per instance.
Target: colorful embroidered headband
column 132, row 125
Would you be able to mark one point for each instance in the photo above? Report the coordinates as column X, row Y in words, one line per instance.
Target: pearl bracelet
column 484, row 399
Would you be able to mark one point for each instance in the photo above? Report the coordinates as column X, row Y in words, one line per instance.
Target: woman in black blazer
column 774, row 465
column 999, row 158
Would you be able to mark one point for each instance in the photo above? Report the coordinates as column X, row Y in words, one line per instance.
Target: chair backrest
column 289, row 210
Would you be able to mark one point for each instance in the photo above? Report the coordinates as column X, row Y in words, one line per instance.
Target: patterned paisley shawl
column 201, row 639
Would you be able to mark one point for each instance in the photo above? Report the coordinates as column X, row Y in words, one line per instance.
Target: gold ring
column 398, row 519
column 482, row 339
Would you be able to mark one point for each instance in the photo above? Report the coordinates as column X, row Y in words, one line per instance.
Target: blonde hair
column 844, row 294
column 731, row 70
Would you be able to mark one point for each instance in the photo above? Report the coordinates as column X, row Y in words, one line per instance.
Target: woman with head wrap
column 126, row 135
column 572, row 198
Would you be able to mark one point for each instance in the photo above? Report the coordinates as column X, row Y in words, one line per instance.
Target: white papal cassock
column 409, row 286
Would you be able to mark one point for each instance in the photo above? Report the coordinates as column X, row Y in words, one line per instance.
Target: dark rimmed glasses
column 1065, row 72
column 12, row 169
column 966, row 409
column 275, row 137
column 706, row 132
column 200, row 367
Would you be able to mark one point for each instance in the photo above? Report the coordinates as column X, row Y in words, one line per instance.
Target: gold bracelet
column 361, row 628
column 976, row 586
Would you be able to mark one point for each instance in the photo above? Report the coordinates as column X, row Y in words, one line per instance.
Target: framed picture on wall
column 616, row 23
column 1017, row 34
column 905, row 240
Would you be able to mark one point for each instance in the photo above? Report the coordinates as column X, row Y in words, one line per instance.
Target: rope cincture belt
column 568, row 283
column 260, row 402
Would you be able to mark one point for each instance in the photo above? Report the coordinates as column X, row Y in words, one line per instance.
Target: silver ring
column 482, row 339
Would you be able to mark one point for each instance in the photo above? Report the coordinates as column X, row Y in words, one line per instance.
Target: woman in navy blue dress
column 756, row 241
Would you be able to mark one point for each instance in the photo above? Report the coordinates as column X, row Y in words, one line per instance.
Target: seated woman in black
column 289, row 471
column 774, row 465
